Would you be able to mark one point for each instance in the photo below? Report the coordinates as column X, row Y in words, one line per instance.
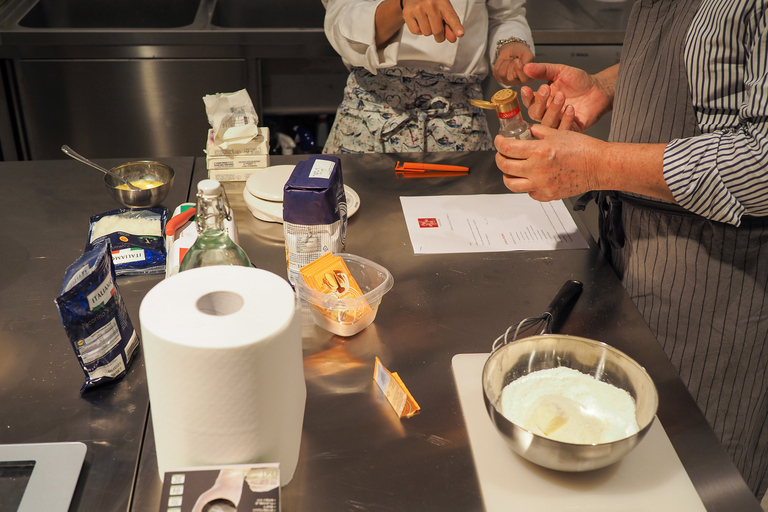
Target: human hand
column 556, row 113
column 589, row 97
column 558, row 164
column 433, row 18
column 508, row 68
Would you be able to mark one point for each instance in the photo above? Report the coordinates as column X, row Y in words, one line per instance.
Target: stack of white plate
column 263, row 193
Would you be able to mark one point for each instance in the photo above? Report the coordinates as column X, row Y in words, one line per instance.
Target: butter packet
column 330, row 275
column 394, row 389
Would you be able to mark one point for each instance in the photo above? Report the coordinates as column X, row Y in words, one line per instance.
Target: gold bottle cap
column 504, row 100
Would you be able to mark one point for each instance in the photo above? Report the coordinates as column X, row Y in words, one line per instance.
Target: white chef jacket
column 350, row 28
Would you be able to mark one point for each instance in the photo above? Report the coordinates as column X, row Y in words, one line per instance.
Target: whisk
column 558, row 309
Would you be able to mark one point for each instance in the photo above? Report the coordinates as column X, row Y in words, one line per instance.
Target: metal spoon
column 70, row 152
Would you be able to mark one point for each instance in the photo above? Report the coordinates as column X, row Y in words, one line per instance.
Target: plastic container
column 374, row 281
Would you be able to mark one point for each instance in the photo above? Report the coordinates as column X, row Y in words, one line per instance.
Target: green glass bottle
column 213, row 245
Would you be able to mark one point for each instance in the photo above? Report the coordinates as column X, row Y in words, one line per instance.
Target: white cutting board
column 649, row 478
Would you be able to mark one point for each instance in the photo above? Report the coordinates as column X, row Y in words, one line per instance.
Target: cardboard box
column 237, row 162
column 230, row 174
column 248, row 487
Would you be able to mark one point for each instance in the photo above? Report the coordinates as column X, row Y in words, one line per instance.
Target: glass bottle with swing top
column 511, row 122
column 213, row 245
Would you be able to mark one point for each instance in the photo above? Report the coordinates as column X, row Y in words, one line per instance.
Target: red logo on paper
column 428, row 223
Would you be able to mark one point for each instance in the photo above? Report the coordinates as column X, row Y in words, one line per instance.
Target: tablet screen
column 14, row 477
column 39, row 476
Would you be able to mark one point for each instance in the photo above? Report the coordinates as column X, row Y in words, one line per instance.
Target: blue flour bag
column 95, row 318
column 314, row 212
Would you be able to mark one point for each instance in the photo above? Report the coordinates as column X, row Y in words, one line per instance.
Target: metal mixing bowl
column 594, row 358
column 135, row 171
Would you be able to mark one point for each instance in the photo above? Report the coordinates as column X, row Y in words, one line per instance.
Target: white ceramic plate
column 268, row 183
column 353, row 201
column 272, row 211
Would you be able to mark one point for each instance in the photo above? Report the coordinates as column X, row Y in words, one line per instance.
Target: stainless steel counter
column 355, row 454
column 46, row 209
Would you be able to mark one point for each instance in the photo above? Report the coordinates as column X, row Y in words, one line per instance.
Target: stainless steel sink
column 78, row 14
column 268, row 14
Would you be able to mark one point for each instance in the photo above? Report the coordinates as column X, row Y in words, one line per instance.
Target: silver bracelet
column 502, row 42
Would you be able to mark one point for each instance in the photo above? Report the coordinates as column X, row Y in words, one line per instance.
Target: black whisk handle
column 563, row 302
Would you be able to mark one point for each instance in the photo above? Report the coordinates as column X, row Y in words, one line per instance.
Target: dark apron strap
column 609, row 214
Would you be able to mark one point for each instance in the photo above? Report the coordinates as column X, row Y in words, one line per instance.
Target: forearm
column 506, row 19
column 350, row 26
column 389, row 21
column 563, row 163
column 628, row 167
column 606, row 79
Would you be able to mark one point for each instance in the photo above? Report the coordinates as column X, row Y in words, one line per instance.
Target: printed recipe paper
column 488, row 223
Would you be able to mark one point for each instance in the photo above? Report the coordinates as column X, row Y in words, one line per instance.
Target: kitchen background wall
column 127, row 79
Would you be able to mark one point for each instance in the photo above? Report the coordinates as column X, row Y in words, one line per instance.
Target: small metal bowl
column 594, row 358
column 135, row 171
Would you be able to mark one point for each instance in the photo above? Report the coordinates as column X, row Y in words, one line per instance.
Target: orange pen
column 429, row 174
column 423, row 167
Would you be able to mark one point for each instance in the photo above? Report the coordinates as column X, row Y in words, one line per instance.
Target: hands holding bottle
column 589, row 97
column 562, row 162
column 556, row 165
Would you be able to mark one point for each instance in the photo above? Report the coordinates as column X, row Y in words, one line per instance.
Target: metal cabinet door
column 301, row 86
column 121, row 107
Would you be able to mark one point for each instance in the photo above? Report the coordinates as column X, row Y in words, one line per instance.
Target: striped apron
column 700, row 285
column 404, row 110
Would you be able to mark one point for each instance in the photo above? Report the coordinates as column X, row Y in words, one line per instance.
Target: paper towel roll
column 222, row 350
